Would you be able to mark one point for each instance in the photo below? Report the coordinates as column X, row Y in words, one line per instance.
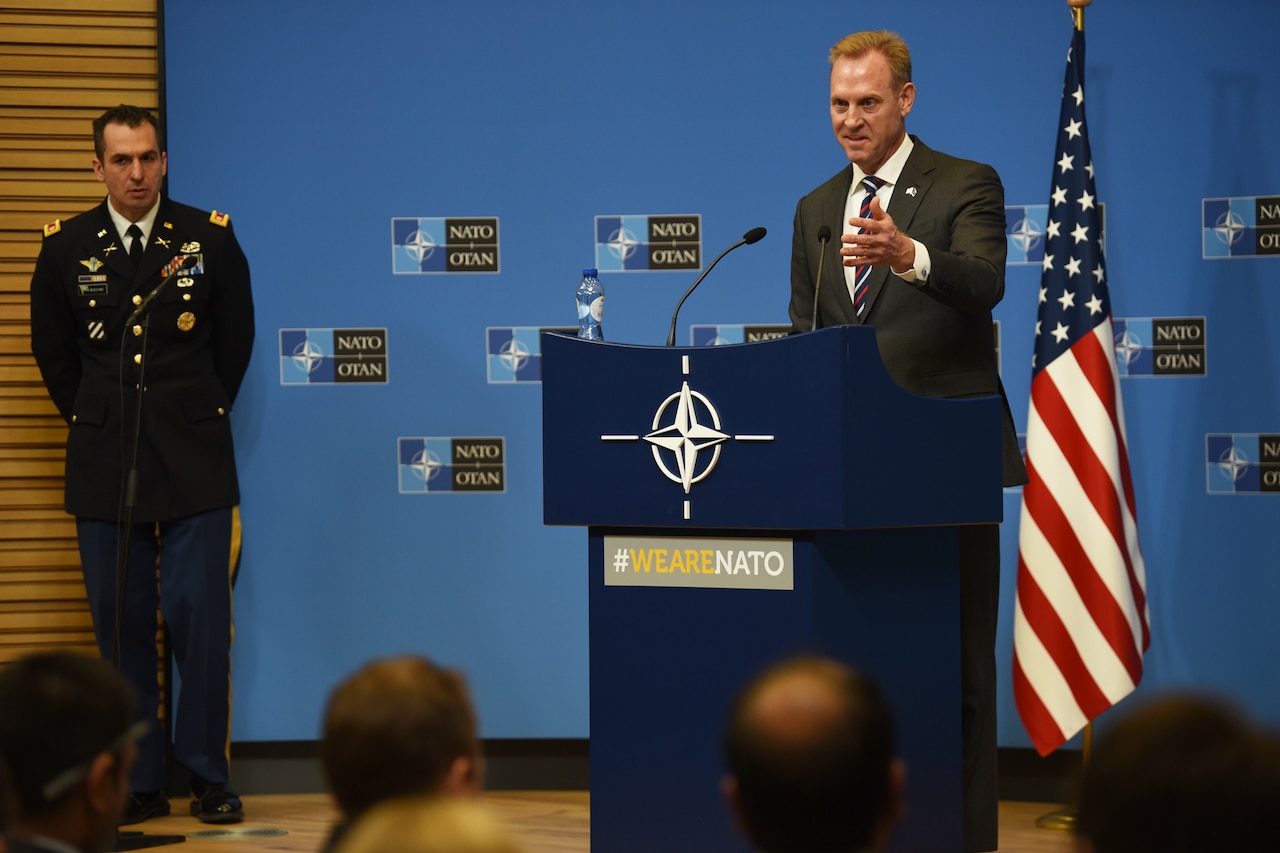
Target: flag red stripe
column 1053, row 635
column 1044, row 732
column 1093, row 474
column 1062, row 537
column 1096, row 364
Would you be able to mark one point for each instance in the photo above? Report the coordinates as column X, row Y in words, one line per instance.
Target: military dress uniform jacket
column 198, row 341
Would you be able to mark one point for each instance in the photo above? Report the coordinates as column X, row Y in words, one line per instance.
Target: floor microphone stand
column 130, row 839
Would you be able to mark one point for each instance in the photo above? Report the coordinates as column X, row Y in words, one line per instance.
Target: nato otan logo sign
column 430, row 465
column 514, row 353
column 648, row 243
column 1240, row 227
column 1025, row 230
column 1160, row 346
column 425, row 245
column 333, row 356
column 717, row 336
column 1242, row 463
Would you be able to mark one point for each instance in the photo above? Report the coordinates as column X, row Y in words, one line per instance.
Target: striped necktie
column 870, row 183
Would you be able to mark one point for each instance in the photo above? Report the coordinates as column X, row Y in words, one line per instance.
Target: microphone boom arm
column 752, row 236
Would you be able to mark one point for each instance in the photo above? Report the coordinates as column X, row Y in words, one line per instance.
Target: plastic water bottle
column 590, row 306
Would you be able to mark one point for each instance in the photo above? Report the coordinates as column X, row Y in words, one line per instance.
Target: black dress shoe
column 145, row 805
column 215, row 803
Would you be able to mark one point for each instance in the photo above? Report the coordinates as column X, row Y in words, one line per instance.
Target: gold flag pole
column 1077, row 11
column 1065, row 818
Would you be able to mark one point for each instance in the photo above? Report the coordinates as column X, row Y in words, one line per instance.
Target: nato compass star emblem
column 1233, row 463
column 426, row 465
column 514, row 355
column 686, row 436
column 307, row 356
column 1128, row 347
column 1026, row 234
column 420, row 245
column 622, row 243
column 1229, row 227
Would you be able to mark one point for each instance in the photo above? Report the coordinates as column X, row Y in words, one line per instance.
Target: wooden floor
column 545, row 821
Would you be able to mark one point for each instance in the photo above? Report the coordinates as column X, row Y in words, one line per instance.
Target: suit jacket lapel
column 836, row 308
column 917, row 172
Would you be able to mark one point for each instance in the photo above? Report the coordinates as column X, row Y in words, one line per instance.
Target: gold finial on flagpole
column 1077, row 11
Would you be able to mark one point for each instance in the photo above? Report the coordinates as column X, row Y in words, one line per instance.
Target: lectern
column 748, row 503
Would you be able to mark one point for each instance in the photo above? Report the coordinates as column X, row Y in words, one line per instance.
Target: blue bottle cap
column 589, row 272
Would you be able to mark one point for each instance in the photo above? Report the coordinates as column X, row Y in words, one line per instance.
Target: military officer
column 142, row 295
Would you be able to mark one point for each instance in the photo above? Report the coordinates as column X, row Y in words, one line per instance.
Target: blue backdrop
column 315, row 124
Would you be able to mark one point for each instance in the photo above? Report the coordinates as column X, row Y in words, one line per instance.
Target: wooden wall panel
column 62, row 62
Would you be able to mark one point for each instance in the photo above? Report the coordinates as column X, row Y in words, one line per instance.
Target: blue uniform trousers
column 197, row 557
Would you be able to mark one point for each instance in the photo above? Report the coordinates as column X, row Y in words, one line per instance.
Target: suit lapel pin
column 102, row 233
column 911, row 191
column 161, row 241
column 110, row 249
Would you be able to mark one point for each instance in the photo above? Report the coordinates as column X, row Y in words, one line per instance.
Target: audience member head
column 428, row 825
column 1181, row 773
column 809, row 751
column 397, row 727
column 68, row 735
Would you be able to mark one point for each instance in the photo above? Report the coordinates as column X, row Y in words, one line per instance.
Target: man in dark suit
column 96, row 331
column 68, row 735
column 922, row 247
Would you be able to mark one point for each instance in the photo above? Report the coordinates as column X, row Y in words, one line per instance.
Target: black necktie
column 135, row 249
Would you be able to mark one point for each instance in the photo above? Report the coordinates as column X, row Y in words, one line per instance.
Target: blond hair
column 887, row 44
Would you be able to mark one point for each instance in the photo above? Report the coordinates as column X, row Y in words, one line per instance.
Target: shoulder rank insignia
column 53, row 228
column 223, row 219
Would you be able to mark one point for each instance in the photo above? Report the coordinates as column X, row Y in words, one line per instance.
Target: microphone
column 755, row 235
column 187, row 263
column 824, row 234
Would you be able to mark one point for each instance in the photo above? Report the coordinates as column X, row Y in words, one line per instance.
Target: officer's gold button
column 137, row 359
column 93, row 303
column 137, row 330
column 137, row 300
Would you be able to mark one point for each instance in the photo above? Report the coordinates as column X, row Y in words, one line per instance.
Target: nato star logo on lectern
column 686, row 437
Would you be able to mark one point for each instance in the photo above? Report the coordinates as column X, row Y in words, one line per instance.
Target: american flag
column 1081, row 624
